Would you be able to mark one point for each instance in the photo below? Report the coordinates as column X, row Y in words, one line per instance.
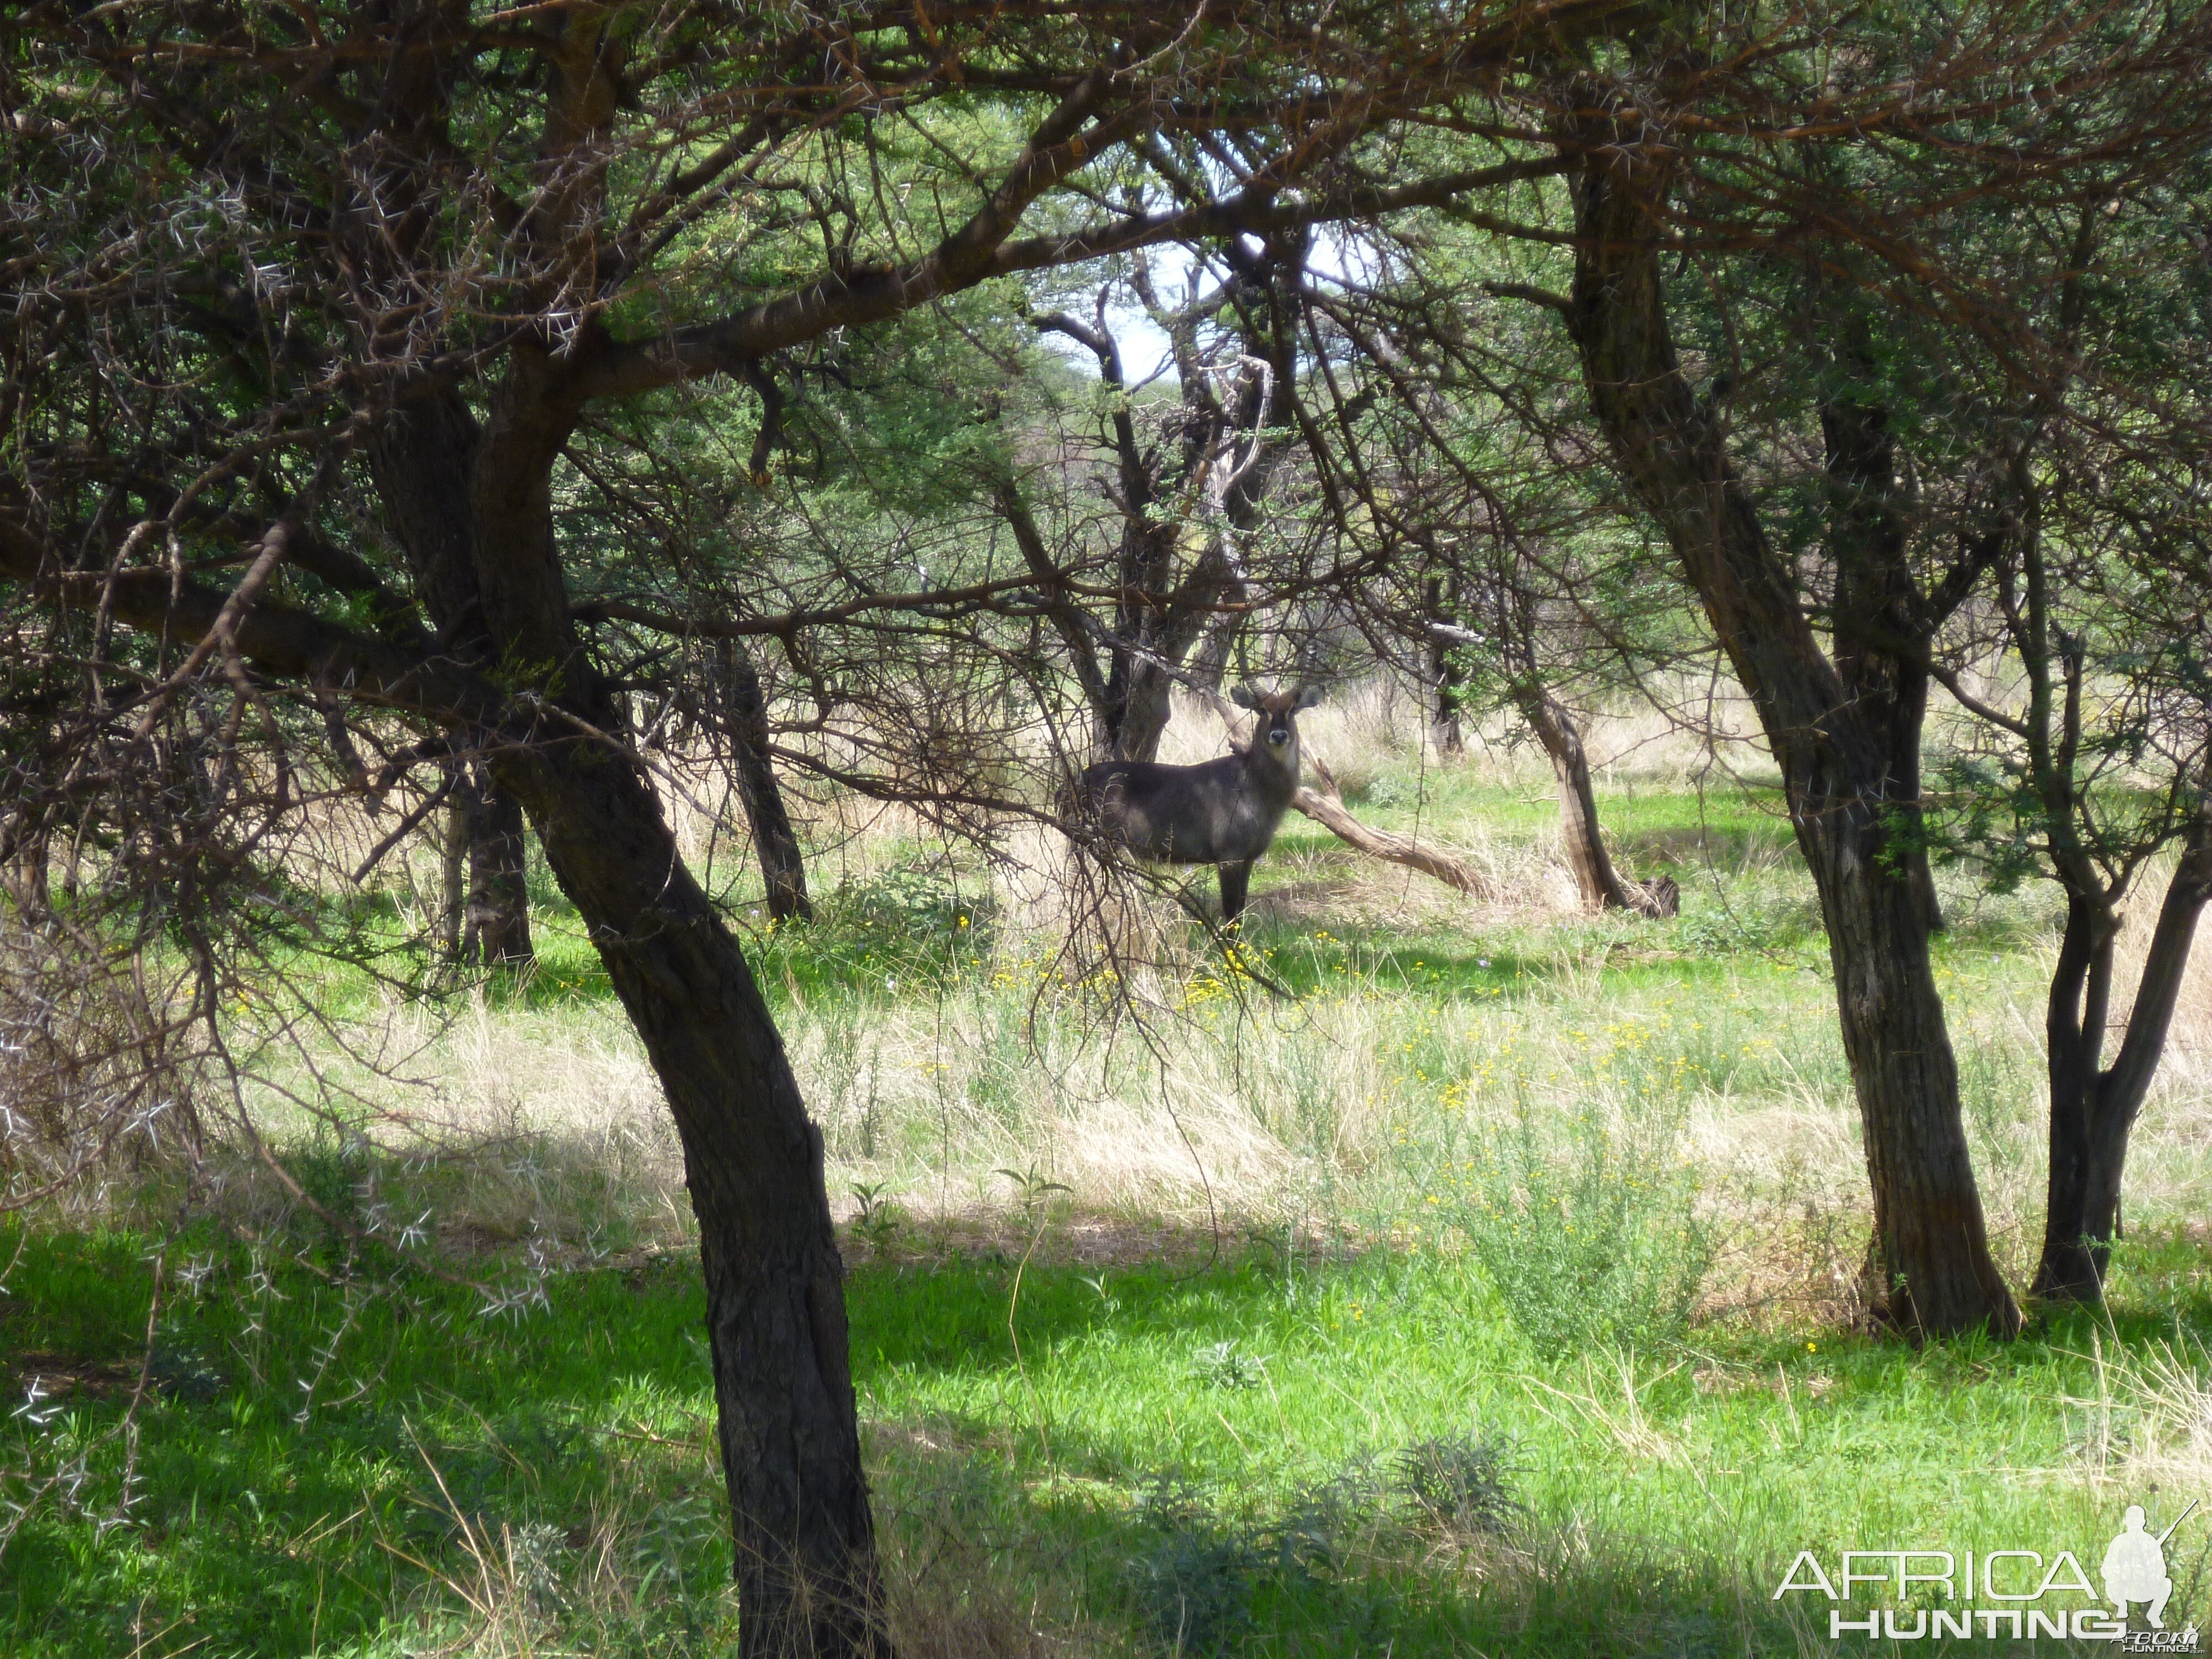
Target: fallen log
column 1325, row 806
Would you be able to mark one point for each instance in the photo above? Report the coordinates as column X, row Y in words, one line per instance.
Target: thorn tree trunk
column 1845, row 733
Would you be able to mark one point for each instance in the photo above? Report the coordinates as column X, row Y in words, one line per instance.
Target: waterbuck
column 1222, row 812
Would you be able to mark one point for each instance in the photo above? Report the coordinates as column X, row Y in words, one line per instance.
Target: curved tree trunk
column 783, row 865
column 775, row 1308
column 1325, row 806
column 1216, row 649
column 1601, row 887
column 1845, row 732
column 806, row 1559
column 753, row 1160
column 1228, row 451
column 805, row 1545
column 420, row 460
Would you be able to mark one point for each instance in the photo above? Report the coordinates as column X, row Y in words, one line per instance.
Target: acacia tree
column 1224, row 532
column 2087, row 674
column 2102, row 767
column 1489, row 554
column 1186, row 481
column 1882, row 233
column 414, row 245
column 412, row 249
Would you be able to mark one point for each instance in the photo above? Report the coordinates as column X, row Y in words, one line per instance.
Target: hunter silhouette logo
column 2134, row 1567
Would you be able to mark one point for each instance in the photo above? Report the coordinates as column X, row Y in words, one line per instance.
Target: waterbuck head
column 1275, row 736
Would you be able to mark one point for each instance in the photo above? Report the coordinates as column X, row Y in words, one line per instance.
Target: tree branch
column 278, row 639
column 978, row 252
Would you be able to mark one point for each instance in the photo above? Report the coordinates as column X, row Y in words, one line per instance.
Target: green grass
column 1158, row 1427
column 271, row 1518
column 1196, row 1433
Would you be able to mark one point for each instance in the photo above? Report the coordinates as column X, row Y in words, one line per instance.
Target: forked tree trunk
column 1141, row 687
column 2093, row 1108
column 783, row 865
column 1144, row 713
column 1843, row 745
column 1601, row 887
column 805, row 1540
column 1216, row 649
column 1159, row 622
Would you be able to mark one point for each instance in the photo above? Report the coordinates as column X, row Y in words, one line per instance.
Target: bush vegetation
column 1496, row 1293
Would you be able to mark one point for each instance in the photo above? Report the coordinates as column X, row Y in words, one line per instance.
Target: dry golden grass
column 2170, row 1155
column 1206, row 1104
column 2147, row 1423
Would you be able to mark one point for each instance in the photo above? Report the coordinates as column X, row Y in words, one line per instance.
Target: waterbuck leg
column 1235, row 878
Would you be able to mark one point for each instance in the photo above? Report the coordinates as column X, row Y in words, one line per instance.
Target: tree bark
column 1146, row 703
column 1227, row 449
column 453, row 871
column 2094, row 1109
column 1444, row 671
column 420, row 460
column 497, row 930
column 805, row 1540
column 1325, row 807
column 806, row 1559
column 1601, row 887
column 783, row 865
column 1216, row 649
column 1848, row 748
column 25, row 857
column 775, row 1308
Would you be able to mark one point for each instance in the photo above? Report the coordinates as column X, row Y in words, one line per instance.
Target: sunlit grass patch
column 1268, row 1260
column 1229, row 1433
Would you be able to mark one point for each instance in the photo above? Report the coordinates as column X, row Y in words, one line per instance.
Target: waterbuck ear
column 1307, row 696
column 1242, row 697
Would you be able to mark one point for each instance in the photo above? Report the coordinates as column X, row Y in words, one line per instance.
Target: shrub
column 1588, row 1228
column 1460, row 1483
column 915, row 903
column 101, row 1055
column 1202, row 1581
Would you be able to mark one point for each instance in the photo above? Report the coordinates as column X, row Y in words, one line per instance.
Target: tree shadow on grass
column 1361, row 1562
column 2158, row 1293
column 276, row 1532
column 272, row 1515
column 1087, row 1522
